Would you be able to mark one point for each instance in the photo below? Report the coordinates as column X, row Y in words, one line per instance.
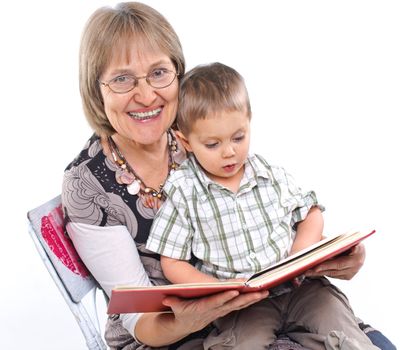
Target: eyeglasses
column 158, row 79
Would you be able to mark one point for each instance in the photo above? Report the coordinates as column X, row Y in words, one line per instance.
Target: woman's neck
column 135, row 151
column 150, row 162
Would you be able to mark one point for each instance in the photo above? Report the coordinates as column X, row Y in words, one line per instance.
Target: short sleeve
column 292, row 196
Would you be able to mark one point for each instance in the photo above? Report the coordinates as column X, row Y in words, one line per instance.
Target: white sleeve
column 111, row 256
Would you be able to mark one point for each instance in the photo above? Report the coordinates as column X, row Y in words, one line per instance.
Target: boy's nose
column 228, row 151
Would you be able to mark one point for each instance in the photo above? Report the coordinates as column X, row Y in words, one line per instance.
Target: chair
column 72, row 278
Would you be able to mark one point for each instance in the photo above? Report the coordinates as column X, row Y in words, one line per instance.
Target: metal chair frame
column 82, row 302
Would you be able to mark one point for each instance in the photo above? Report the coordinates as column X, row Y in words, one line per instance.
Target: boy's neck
column 232, row 183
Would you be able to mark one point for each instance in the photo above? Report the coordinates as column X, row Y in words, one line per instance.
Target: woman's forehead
column 135, row 51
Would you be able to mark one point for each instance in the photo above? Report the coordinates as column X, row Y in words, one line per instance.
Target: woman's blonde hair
column 108, row 32
column 208, row 90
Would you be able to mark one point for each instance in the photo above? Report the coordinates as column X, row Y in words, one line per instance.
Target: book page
column 296, row 255
column 307, row 258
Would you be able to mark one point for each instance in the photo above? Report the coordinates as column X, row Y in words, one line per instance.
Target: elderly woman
column 131, row 61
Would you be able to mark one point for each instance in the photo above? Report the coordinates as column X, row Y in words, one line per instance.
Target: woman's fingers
column 342, row 267
column 244, row 300
column 199, row 312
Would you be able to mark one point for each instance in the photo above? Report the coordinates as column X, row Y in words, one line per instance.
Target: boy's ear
column 183, row 140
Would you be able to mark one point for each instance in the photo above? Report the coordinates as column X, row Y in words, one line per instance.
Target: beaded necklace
column 125, row 174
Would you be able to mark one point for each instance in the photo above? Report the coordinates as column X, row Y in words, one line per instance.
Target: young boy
column 236, row 215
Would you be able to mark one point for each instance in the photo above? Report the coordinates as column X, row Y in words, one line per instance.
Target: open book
column 127, row 299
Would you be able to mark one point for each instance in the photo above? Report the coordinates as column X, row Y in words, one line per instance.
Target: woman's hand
column 196, row 314
column 161, row 329
column 343, row 267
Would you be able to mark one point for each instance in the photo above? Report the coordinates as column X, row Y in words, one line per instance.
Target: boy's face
column 220, row 143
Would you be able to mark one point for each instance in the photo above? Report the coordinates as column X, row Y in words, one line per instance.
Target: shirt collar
column 255, row 169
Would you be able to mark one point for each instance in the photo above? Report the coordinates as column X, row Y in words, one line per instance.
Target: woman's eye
column 122, row 79
column 158, row 73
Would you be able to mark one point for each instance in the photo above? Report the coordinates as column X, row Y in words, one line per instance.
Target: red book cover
column 127, row 299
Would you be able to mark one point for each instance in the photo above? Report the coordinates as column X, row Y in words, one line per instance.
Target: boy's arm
column 309, row 230
column 181, row 271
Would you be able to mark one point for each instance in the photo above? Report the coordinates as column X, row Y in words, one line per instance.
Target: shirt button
column 252, row 255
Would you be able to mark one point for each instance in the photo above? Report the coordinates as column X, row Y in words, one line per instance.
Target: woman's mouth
column 145, row 115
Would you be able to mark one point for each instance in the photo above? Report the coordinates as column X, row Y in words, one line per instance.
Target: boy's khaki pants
column 317, row 315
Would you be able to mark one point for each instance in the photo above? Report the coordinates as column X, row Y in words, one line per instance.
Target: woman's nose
column 144, row 93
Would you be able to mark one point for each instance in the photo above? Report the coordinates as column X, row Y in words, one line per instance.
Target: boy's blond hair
column 208, row 90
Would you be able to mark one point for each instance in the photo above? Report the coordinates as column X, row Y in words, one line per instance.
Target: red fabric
column 61, row 245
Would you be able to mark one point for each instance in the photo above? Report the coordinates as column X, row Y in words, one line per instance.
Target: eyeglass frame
column 136, row 79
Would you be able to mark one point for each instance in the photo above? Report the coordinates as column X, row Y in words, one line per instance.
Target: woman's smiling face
column 143, row 114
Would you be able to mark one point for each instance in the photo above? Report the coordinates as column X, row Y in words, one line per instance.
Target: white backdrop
column 341, row 77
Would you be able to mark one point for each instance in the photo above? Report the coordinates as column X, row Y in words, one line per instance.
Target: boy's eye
column 238, row 138
column 211, row 145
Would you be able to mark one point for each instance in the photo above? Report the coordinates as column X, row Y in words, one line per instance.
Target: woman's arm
column 159, row 329
column 343, row 267
column 111, row 256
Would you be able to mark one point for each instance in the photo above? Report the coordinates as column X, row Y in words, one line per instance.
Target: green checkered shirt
column 232, row 234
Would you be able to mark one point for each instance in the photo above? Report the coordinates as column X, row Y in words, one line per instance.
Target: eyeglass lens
column 158, row 79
